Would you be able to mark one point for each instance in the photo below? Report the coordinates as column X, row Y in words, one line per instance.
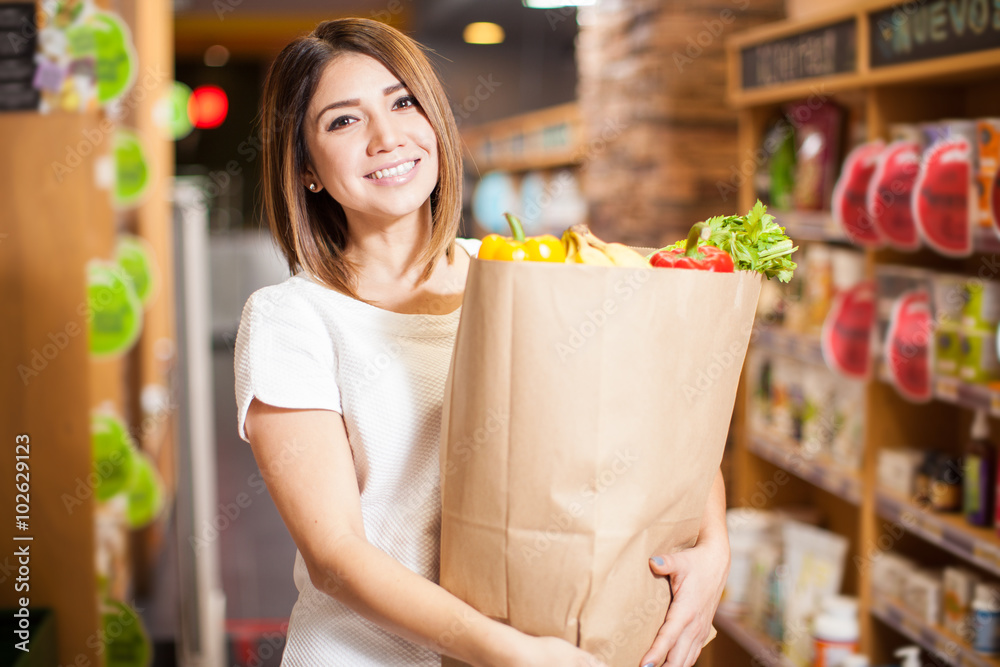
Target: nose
column 385, row 135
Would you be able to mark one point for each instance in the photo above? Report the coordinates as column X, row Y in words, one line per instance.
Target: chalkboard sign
column 920, row 30
column 18, row 41
column 823, row 51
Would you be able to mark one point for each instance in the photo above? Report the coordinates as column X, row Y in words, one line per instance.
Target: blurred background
column 861, row 468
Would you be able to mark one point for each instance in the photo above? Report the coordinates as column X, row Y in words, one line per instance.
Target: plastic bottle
column 910, row 656
column 855, row 660
column 980, row 470
column 986, row 619
column 835, row 631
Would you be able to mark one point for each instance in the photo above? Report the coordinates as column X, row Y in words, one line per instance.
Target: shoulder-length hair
column 311, row 229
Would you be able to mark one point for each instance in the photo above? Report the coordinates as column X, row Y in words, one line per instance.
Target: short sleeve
column 471, row 245
column 284, row 356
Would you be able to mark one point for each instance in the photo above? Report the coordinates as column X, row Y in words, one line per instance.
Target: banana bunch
column 582, row 247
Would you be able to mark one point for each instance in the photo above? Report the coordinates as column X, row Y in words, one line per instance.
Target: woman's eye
column 343, row 121
column 407, row 101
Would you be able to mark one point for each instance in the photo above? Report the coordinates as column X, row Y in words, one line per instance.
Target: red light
column 208, row 107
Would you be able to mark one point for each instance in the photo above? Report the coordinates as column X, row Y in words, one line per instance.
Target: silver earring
column 312, row 186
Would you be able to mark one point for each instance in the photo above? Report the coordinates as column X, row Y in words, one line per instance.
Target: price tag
column 930, row 528
column 910, row 627
column 987, row 554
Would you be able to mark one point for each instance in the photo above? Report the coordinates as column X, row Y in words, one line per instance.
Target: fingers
column 663, row 564
column 693, row 653
column 681, row 651
column 664, row 641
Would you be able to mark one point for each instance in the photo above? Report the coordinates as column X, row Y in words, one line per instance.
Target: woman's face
column 372, row 147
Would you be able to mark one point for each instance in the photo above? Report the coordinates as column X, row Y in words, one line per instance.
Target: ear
column 309, row 177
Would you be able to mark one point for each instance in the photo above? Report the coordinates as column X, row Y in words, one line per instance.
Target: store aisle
column 256, row 553
column 255, row 550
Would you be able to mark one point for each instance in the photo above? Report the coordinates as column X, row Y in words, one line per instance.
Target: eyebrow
column 356, row 102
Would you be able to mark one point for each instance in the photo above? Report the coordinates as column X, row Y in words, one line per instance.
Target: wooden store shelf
column 809, row 226
column 969, row 396
column 862, row 72
column 943, row 644
column 954, row 391
column 543, row 139
column 842, row 483
column 779, row 63
column 759, row 646
column 951, row 532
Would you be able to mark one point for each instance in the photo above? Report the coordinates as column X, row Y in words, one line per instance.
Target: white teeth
column 398, row 170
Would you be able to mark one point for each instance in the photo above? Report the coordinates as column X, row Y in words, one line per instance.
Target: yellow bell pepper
column 545, row 248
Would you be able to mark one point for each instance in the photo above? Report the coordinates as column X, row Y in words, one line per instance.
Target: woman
column 340, row 369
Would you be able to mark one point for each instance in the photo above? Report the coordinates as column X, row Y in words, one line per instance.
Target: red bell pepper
column 693, row 256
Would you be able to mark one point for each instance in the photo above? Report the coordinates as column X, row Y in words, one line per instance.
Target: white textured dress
column 303, row 345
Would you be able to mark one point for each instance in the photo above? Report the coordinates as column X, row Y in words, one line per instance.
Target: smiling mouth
column 398, row 170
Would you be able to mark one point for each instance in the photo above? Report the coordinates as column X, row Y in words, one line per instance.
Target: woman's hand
column 551, row 652
column 697, row 577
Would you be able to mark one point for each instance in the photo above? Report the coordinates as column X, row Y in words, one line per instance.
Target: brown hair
column 311, row 229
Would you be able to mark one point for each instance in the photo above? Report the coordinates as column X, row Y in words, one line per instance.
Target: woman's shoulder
column 297, row 299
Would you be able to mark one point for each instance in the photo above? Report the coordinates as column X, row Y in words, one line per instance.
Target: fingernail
column 649, row 664
column 658, row 561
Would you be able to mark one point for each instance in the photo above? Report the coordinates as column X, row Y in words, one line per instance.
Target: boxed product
column 922, row 595
column 890, row 571
column 814, row 562
column 959, row 588
column 848, row 408
column 988, row 146
column 897, row 470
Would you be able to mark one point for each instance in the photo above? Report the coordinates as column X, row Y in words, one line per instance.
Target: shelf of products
column 810, row 226
column 951, row 532
column 936, row 640
column 810, row 92
column 842, row 483
column 542, row 139
column 969, row 396
column 956, row 392
column 753, row 642
column 790, row 344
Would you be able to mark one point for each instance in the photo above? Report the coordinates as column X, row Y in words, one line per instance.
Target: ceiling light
column 552, row 4
column 216, row 56
column 483, row 33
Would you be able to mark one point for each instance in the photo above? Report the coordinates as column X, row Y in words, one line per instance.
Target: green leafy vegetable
column 754, row 241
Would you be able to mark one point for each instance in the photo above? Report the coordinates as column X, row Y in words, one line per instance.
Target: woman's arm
column 697, row 576
column 305, row 458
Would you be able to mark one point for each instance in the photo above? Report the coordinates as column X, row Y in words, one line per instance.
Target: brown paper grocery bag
column 584, row 421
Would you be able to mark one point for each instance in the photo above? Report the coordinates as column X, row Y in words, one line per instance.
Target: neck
column 387, row 251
